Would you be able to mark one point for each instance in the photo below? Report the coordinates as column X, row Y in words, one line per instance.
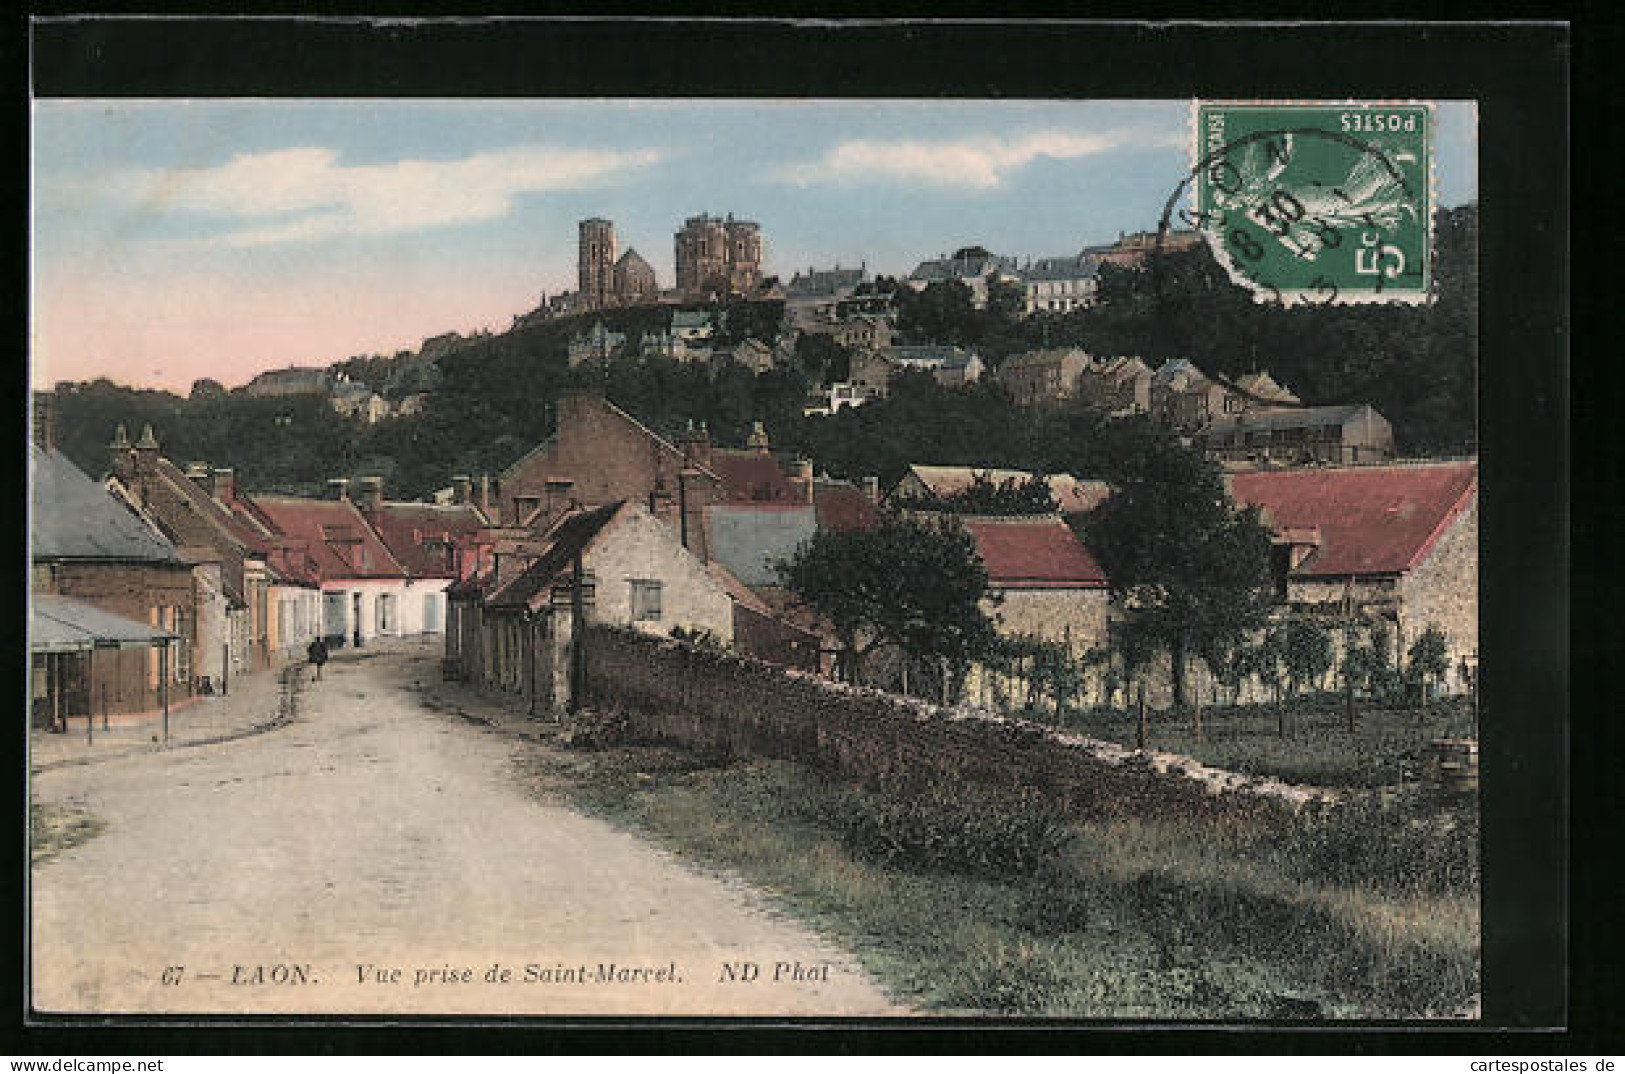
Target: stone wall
column 1442, row 591
column 741, row 707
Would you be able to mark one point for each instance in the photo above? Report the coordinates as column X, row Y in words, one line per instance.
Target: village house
column 813, row 295
column 244, row 621
column 113, row 627
column 366, row 592
column 597, row 344
column 834, row 399
column 354, row 399
column 1352, row 433
column 972, row 265
column 1060, row 284
column 599, row 454
column 1117, row 386
column 1043, row 376
column 752, row 354
column 1396, row 543
column 865, row 331
column 921, row 483
column 1134, row 250
column 1043, row 584
column 872, row 370
column 437, row 544
column 622, row 566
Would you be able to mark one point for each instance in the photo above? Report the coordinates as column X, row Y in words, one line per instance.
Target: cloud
column 304, row 194
column 980, row 163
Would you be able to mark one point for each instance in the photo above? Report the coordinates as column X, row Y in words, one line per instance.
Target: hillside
column 491, row 398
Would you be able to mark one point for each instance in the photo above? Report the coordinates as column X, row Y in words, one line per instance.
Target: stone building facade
column 718, row 256
column 595, row 262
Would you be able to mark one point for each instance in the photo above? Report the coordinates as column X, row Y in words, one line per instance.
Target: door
column 334, row 623
column 431, row 613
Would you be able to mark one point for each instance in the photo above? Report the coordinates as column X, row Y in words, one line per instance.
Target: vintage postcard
column 755, row 558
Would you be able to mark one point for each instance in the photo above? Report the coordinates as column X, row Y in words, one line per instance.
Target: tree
column 206, row 388
column 1012, row 496
column 916, row 585
column 1428, row 660
column 1190, row 571
column 1306, row 652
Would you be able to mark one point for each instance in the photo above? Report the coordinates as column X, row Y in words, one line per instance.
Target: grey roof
column 1173, row 367
column 825, row 281
column 1289, row 417
column 747, row 539
column 1081, row 267
column 61, row 625
column 930, row 354
column 960, row 268
column 690, row 319
column 76, row 518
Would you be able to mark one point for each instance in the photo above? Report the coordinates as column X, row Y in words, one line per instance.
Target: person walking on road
column 317, row 652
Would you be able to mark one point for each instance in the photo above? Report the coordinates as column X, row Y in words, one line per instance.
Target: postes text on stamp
column 1317, row 202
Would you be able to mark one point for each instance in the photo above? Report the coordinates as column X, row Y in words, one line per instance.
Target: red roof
column 1372, row 519
column 418, row 533
column 751, row 477
column 1034, row 553
column 842, row 507
column 336, row 536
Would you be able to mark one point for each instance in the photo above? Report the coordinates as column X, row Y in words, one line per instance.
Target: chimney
column 462, row 488
column 146, row 450
column 802, row 479
column 338, row 488
column 371, row 493
column 871, row 489
column 223, row 484
column 696, row 445
column 121, row 460
column 199, row 474
column 45, row 421
column 485, row 493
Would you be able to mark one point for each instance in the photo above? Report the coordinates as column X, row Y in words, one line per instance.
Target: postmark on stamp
column 1317, row 202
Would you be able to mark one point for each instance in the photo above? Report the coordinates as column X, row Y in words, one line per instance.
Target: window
column 645, row 600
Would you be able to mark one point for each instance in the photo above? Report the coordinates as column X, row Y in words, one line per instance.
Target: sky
column 174, row 240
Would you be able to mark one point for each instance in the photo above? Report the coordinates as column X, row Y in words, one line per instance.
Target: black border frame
column 1518, row 72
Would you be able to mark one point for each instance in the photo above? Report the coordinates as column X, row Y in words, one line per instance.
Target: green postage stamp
column 1317, row 202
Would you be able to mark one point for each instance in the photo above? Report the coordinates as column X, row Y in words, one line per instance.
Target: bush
column 1401, row 848
column 1054, row 901
column 937, row 827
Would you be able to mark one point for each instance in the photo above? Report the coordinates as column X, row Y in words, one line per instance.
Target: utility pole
column 163, row 686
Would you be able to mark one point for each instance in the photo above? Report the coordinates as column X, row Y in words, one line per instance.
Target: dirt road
column 376, row 857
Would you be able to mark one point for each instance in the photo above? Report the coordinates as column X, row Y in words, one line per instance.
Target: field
column 1369, row 911
column 1385, row 749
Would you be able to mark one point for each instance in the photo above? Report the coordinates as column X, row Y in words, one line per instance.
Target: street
column 374, row 856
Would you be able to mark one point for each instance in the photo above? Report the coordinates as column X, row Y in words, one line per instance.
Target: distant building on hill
column 972, row 266
column 1060, row 284
column 295, row 380
column 716, row 257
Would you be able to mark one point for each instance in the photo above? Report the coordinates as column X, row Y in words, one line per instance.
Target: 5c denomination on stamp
column 1317, row 202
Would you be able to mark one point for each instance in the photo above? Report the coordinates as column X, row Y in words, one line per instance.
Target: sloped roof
column 325, row 525
column 1372, row 519
column 1080, row 267
column 1272, row 418
column 929, row 354
column 1071, row 495
column 211, row 510
column 748, row 476
column 63, row 625
column 571, row 535
column 824, row 281
column 748, row 538
column 1034, row 553
column 406, row 527
column 1043, row 357
column 842, row 507
column 76, row 518
column 690, row 319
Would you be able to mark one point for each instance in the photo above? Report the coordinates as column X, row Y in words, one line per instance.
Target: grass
column 1385, row 749
column 53, row 829
column 1225, row 920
